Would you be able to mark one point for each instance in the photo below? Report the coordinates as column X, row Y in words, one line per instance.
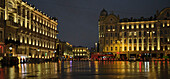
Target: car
column 133, row 58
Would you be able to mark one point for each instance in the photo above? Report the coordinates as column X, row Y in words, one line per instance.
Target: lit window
column 142, row 26
column 152, row 25
column 127, row 27
column 130, row 33
column 134, row 33
column 167, row 24
column 132, row 26
column 123, row 27
column 137, row 26
column 163, row 25
column 147, row 26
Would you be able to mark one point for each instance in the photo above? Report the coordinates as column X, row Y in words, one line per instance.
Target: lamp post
column 10, row 48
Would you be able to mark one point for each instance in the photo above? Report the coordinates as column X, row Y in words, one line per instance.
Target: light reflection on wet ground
column 88, row 70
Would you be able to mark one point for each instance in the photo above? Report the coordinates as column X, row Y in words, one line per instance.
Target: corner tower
column 108, row 27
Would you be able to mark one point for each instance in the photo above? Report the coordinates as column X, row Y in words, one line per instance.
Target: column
column 158, row 36
column 152, row 35
column 137, row 33
column 148, row 40
column 122, row 41
column 132, row 41
column 142, row 40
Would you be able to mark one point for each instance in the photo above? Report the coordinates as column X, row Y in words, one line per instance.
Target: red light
column 0, row 46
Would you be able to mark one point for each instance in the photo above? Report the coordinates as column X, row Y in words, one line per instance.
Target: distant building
column 81, row 52
column 135, row 37
column 26, row 31
column 64, row 50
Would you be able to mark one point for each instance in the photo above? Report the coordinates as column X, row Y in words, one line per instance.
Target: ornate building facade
column 135, row 37
column 80, row 52
column 26, row 30
column 64, row 50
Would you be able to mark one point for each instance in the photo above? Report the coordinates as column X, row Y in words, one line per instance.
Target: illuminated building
column 2, row 24
column 81, row 52
column 30, row 32
column 128, row 37
column 64, row 49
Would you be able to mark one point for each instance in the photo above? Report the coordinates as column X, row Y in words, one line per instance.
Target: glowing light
column 123, row 27
column 152, row 25
column 142, row 26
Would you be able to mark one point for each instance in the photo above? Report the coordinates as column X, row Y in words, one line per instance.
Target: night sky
column 78, row 19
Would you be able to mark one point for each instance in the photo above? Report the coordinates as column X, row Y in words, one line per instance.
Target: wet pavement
column 88, row 70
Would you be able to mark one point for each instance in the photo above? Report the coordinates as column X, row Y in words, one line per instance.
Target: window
column 166, row 47
column 145, row 41
column 125, row 48
column 134, row 26
column 106, row 35
column 161, row 39
column 134, row 48
column 134, row 40
column 125, row 26
column 139, row 48
column 130, row 33
column 129, row 48
column 116, row 41
column 124, row 33
column 144, row 25
column 125, row 41
column 155, row 48
column 130, row 27
column 111, row 27
column 149, row 25
column 106, row 41
column 140, row 34
column 130, row 41
column 115, row 48
column 140, row 40
column 165, row 40
column 111, row 48
column 115, row 27
column 155, row 40
column 111, row 41
column 139, row 26
column 115, row 34
column 106, row 27
column 111, row 35
column 145, row 48
column 161, row 47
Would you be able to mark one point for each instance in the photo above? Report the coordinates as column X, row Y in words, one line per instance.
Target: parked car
column 133, row 58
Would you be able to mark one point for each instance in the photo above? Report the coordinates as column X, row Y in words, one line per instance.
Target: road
column 88, row 70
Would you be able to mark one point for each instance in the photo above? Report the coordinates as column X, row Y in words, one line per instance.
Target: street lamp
column 10, row 48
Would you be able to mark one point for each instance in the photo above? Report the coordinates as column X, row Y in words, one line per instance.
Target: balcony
column 12, row 24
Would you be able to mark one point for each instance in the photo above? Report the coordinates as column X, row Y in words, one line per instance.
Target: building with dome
column 143, row 37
